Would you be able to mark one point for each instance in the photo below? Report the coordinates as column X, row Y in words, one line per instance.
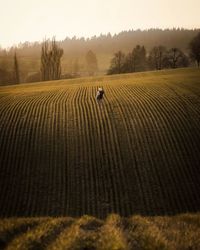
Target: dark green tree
column 136, row 60
column 117, row 63
column 195, row 49
column 16, row 70
column 139, row 58
column 129, row 65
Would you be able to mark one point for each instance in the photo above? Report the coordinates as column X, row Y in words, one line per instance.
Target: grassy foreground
column 179, row 232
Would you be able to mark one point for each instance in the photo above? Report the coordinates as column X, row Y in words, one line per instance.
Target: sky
column 33, row 20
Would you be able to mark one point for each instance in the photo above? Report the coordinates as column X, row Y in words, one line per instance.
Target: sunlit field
column 115, row 232
column 64, row 155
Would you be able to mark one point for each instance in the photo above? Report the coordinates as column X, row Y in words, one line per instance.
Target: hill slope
column 139, row 152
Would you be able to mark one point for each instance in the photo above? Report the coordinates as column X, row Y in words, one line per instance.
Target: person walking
column 100, row 93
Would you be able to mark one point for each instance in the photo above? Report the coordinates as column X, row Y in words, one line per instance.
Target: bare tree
column 156, row 57
column 45, row 61
column 51, row 60
column 55, row 59
column 174, row 55
column 176, row 58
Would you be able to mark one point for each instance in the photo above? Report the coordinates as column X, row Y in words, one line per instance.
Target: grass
column 114, row 233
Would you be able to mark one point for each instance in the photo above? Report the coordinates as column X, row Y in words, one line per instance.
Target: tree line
column 52, row 63
column 158, row 58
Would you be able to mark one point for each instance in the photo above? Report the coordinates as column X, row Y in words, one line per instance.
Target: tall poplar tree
column 51, row 60
column 16, row 70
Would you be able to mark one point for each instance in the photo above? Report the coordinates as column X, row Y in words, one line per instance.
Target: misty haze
column 99, row 125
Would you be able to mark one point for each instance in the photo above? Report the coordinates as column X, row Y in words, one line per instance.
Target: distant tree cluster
column 51, row 60
column 160, row 58
column 137, row 60
column 132, row 62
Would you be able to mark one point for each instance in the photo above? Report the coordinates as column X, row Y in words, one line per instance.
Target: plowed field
column 138, row 152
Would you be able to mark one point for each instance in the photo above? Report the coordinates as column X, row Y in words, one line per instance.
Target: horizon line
column 16, row 45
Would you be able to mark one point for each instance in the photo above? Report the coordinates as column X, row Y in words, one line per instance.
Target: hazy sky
column 31, row 20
